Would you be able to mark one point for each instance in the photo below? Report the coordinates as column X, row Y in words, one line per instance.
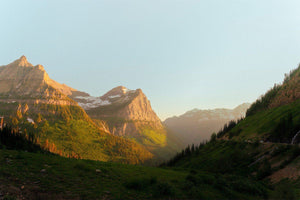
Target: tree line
column 191, row 149
column 13, row 139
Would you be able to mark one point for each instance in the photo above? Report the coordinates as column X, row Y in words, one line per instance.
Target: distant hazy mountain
column 197, row 125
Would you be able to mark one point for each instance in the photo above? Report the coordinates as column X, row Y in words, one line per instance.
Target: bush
column 279, row 150
column 163, row 189
column 264, row 171
column 213, row 137
column 141, row 184
column 83, row 167
column 9, row 197
column 264, row 102
column 285, row 191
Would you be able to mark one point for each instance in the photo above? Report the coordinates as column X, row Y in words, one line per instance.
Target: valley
column 60, row 143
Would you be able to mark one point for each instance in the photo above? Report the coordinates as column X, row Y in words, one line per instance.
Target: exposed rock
column 21, row 79
column 128, row 113
column 125, row 110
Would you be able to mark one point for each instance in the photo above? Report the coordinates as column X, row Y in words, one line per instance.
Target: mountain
column 198, row 125
column 32, row 101
column 125, row 110
column 128, row 114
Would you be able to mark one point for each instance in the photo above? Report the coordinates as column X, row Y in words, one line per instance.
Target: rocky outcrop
column 23, row 82
column 139, row 108
column 126, row 111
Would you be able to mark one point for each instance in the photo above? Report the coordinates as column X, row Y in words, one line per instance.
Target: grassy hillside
column 42, row 176
column 160, row 142
column 274, row 164
column 275, row 117
column 258, row 146
column 68, row 131
column 277, row 124
column 281, row 94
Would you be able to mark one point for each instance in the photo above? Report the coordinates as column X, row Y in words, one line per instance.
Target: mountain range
column 120, row 125
column 197, row 125
column 255, row 157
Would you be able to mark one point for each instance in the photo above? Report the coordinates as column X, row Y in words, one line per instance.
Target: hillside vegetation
column 41, row 176
column 275, row 117
column 68, row 131
column 280, row 94
column 257, row 146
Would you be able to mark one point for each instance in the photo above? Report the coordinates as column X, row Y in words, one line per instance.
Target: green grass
column 75, row 134
column 153, row 138
column 221, row 157
column 85, row 179
column 253, row 161
column 262, row 124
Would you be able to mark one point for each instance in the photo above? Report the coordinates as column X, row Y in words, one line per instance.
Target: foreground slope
column 198, row 125
column 35, row 103
column 40, row 176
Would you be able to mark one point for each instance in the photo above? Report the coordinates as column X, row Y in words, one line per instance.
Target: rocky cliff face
column 197, row 125
column 22, row 81
column 126, row 111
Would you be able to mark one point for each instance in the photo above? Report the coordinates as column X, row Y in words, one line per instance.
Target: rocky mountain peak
column 21, row 78
column 40, row 67
column 116, row 92
column 22, row 62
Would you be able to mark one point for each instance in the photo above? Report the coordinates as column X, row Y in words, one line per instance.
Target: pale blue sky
column 184, row 54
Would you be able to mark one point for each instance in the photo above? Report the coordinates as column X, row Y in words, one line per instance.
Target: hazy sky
column 183, row 54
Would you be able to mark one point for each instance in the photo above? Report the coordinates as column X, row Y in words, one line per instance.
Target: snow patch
column 30, row 120
column 92, row 102
column 114, row 96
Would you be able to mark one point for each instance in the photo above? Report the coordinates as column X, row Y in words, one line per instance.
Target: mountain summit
column 22, row 62
column 116, row 92
column 21, row 79
column 124, row 110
